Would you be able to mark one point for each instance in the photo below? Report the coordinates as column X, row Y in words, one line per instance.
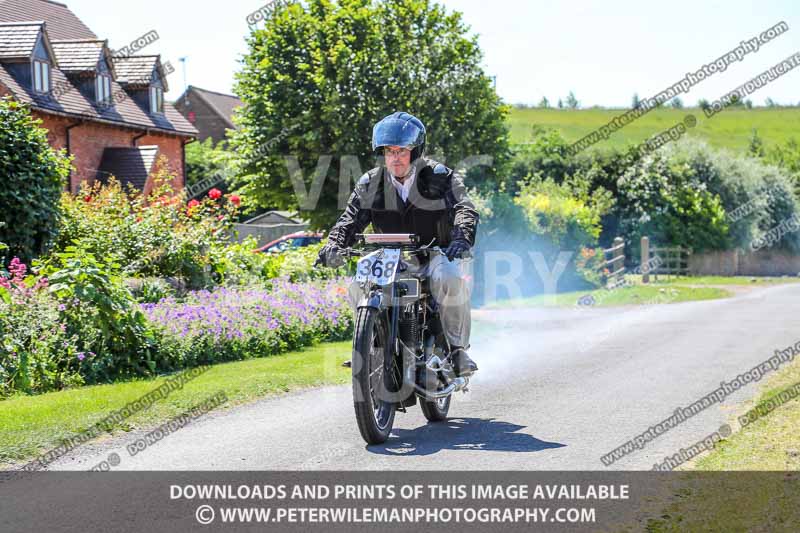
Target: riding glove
column 331, row 256
column 457, row 248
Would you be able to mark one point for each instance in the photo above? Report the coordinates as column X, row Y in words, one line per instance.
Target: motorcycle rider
column 410, row 193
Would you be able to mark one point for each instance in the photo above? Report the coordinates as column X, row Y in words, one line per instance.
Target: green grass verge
column 769, row 443
column 663, row 291
column 723, row 280
column 32, row 424
column 708, row 500
column 730, row 129
column 637, row 295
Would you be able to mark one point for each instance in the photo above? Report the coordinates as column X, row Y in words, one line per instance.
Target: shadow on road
column 461, row 434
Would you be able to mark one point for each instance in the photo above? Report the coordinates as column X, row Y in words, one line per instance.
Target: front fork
column 403, row 357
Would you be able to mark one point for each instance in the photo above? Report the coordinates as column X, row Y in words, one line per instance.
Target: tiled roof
column 78, row 56
column 17, row 40
column 69, row 101
column 224, row 104
column 62, row 24
column 129, row 165
column 136, row 69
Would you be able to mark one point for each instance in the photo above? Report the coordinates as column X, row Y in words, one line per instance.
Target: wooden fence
column 616, row 263
column 673, row 261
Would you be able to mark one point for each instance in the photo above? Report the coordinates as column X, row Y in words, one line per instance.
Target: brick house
column 210, row 112
column 108, row 112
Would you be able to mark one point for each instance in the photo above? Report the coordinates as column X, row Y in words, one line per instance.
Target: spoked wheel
column 372, row 367
column 436, row 411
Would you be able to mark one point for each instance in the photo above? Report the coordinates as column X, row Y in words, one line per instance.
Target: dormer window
column 41, row 77
column 103, row 89
column 156, row 100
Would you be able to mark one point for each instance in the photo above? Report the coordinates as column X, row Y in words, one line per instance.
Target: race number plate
column 378, row 267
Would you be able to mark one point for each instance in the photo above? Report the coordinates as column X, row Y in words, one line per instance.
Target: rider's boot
column 462, row 364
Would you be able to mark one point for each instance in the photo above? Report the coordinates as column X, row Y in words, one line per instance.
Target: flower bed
column 233, row 324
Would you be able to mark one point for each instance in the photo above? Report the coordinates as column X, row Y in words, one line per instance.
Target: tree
column 755, row 146
column 769, row 102
column 703, row 104
column 677, row 103
column 635, row 102
column 572, row 102
column 317, row 78
column 206, row 167
column 33, row 178
column 560, row 104
column 544, row 103
column 748, row 104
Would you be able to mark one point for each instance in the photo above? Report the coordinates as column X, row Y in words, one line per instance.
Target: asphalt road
column 557, row 389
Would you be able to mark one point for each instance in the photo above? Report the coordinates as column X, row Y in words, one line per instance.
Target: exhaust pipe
column 457, row 385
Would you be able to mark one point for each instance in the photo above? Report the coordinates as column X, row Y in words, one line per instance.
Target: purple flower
column 81, row 356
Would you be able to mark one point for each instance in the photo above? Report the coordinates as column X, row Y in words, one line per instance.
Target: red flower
column 193, row 204
column 87, row 198
column 215, row 194
column 235, row 200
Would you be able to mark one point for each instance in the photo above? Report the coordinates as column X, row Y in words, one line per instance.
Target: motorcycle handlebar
column 355, row 252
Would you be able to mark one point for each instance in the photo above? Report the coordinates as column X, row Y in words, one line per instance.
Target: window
column 156, row 100
column 41, row 77
column 103, row 89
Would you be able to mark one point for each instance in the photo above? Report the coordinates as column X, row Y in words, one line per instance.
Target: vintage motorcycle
column 400, row 351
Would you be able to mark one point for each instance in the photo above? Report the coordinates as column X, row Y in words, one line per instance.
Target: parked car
column 295, row 240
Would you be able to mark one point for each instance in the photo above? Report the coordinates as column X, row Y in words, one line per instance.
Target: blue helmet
column 400, row 129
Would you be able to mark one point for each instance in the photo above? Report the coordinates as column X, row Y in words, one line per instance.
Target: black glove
column 331, row 256
column 457, row 248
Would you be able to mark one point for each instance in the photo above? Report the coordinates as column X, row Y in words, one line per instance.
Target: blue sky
column 604, row 51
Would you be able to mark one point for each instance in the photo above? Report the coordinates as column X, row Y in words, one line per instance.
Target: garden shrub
column 668, row 202
column 33, row 177
column 103, row 315
column 158, row 236
column 37, row 351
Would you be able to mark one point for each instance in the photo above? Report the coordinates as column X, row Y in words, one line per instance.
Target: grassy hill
column 730, row 129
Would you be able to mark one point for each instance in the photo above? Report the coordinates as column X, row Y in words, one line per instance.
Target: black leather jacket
column 437, row 209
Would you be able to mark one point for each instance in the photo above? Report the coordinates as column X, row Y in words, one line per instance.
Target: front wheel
column 372, row 367
column 436, row 411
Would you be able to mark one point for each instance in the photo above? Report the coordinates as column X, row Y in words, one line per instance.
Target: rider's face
column 398, row 160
